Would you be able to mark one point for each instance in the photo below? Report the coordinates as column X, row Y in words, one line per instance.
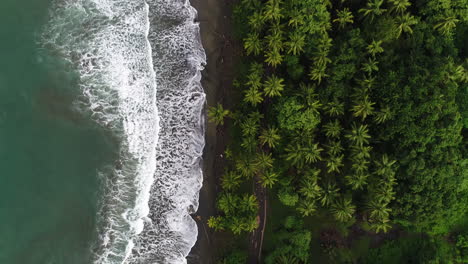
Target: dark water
column 49, row 154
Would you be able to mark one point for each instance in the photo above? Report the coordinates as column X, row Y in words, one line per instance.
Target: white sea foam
column 124, row 50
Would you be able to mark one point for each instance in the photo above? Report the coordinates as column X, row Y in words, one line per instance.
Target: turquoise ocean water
column 49, row 154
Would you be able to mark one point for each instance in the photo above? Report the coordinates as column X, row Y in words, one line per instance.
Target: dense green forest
column 353, row 117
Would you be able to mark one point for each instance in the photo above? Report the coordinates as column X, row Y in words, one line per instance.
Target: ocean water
column 49, row 153
column 101, row 131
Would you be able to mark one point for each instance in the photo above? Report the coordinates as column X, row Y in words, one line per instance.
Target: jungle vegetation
column 352, row 112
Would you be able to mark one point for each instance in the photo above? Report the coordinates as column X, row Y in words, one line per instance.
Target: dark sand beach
column 215, row 21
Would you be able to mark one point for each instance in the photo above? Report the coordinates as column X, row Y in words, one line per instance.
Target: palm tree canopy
column 273, row 86
column 264, row 161
column 363, row 108
column 329, row 194
column 333, row 129
column 344, row 16
column 296, row 42
column 357, row 181
column 375, row 47
column 359, row 135
column 343, row 209
column 399, row 6
column 273, row 57
column 373, row 9
column 270, row 136
column 230, row 180
column 253, row 96
column 269, row 178
column 447, row 25
column 253, row 44
column 216, row 114
column 404, row 23
column 334, row 109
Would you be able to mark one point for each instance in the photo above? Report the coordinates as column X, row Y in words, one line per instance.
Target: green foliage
column 294, row 115
column 292, row 243
column 273, row 86
column 217, row 114
column 365, row 118
column 235, row 257
column 288, row 197
column 343, row 209
column 418, row 249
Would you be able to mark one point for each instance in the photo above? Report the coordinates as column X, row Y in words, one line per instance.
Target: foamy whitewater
column 139, row 66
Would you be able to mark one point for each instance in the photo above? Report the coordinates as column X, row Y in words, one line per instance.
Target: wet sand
column 215, row 21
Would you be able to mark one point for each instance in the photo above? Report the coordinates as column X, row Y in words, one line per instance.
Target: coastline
column 215, row 21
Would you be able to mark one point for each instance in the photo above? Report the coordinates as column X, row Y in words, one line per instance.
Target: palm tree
column 334, row 163
column 329, row 194
column 310, row 189
column 335, row 109
column 273, row 86
column 375, row 47
column 373, row 8
column 296, row 42
column 360, row 152
column 404, row 23
column 312, row 153
column 254, row 79
column 360, row 165
column 296, row 18
column 383, row 115
column 249, row 143
column 344, row 16
column 367, row 82
column 318, row 73
column 377, row 209
column 249, row 127
column 307, row 207
column 446, row 25
column 216, row 223
column 275, row 40
column 217, row 113
column 334, row 148
column 381, row 225
column 300, row 155
column 357, row 181
column 333, row 129
column 246, row 167
column 228, row 203
column 286, row 259
column 270, row 136
column 268, row 179
column 273, row 10
column 253, row 96
column 370, row 66
column 273, row 57
column 384, row 166
column 359, row 135
column 363, row 108
column 236, row 225
column 399, row 6
column 230, row 181
column 253, row 44
column 256, row 21
column 264, row 161
column 343, row 209
column 251, row 4
column 249, row 203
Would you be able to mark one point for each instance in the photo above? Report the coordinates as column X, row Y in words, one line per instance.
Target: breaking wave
column 139, row 66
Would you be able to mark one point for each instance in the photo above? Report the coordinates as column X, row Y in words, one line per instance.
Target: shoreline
column 215, row 21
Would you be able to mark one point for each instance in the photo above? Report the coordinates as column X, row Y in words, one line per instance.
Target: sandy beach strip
column 215, row 21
